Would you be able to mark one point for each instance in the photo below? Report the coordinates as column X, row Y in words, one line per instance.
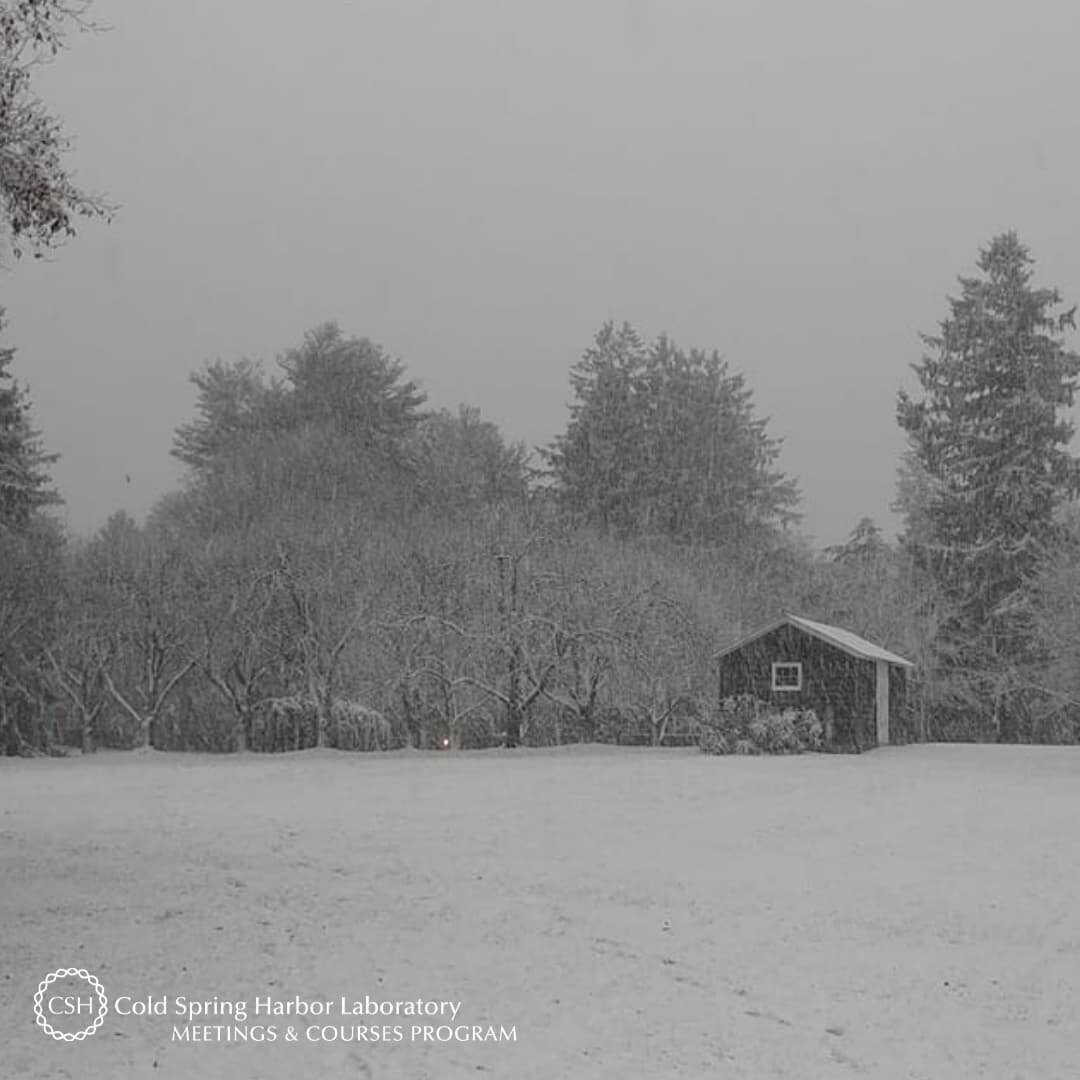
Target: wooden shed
column 853, row 685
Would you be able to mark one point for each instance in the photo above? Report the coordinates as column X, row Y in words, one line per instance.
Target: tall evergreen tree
column 663, row 441
column 597, row 462
column 25, row 484
column 234, row 403
column 989, row 445
column 463, row 463
column 335, row 427
column 864, row 545
column 352, row 385
column 30, row 551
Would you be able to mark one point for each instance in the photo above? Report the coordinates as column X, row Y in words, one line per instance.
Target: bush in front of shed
column 744, row 725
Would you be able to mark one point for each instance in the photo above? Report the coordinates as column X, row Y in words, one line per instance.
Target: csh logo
column 70, row 997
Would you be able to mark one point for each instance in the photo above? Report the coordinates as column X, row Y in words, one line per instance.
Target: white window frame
column 797, row 665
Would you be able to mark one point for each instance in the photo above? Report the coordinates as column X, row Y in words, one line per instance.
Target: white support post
column 882, row 703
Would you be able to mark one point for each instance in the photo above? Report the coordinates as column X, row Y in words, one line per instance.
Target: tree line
column 344, row 566
column 341, row 559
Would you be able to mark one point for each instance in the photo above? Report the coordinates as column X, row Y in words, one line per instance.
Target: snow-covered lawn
column 914, row 912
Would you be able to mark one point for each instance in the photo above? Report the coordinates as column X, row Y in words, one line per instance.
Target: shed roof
column 844, row 640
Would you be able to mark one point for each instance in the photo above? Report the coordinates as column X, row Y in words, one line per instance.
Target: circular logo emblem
column 75, row 1007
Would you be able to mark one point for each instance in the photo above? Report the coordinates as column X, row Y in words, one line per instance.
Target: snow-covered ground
column 914, row 912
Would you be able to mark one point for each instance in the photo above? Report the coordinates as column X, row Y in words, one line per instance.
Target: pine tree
column 989, row 444
column 463, row 463
column 234, row 403
column 864, row 546
column 666, row 442
column 353, row 386
column 338, row 426
column 25, row 484
column 30, row 552
column 599, row 461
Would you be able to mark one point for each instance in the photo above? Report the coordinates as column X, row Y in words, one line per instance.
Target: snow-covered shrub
column 745, row 725
column 292, row 723
column 356, row 727
column 712, row 741
column 284, row 723
column 809, row 730
column 774, row 733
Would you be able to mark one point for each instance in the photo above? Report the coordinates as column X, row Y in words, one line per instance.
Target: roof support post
column 882, row 710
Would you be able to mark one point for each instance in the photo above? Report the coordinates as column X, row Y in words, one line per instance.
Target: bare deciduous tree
column 149, row 622
column 245, row 641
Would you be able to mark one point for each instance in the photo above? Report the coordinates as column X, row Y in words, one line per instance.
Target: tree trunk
column 413, row 722
column 318, row 697
column 513, row 727
column 588, row 723
column 508, row 597
column 243, row 725
column 513, row 704
column 87, row 732
column 1002, row 719
column 7, row 728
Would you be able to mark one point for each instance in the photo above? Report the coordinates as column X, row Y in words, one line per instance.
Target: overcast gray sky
column 478, row 184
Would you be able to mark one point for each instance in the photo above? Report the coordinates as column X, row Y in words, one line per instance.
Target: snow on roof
column 844, row 640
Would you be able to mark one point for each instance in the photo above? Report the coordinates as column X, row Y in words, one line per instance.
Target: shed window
column 787, row 676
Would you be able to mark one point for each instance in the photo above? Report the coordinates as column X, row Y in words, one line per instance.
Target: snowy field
column 914, row 912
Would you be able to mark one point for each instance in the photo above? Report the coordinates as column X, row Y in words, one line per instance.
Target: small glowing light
column 445, row 743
